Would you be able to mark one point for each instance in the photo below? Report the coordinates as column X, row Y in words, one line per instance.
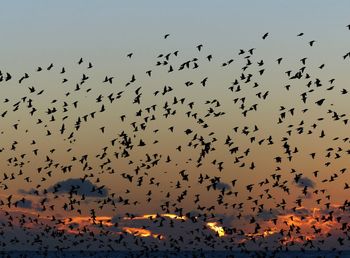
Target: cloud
column 220, row 186
column 268, row 214
column 116, row 218
column 78, row 187
column 31, row 191
column 305, row 181
column 24, row 203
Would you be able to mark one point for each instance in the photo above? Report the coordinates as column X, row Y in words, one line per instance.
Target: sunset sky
column 233, row 129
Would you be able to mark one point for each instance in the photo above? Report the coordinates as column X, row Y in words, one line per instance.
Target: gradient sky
column 38, row 33
column 43, row 31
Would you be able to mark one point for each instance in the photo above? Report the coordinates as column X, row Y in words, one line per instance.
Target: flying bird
column 265, row 35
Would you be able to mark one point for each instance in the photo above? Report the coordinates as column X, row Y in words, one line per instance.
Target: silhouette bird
column 311, row 43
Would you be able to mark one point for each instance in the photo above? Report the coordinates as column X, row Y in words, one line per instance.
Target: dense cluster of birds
column 216, row 175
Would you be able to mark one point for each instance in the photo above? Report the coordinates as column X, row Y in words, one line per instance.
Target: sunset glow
column 175, row 129
column 214, row 226
column 154, row 216
column 141, row 232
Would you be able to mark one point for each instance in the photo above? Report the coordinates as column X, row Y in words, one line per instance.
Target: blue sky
column 50, row 30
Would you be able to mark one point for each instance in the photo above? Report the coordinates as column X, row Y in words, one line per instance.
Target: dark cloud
column 220, row 186
column 268, row 214
column 31, row 191
column 78, row 187
column 116, row 218
column 225, row 219
column 27, row 204
column 305, row 181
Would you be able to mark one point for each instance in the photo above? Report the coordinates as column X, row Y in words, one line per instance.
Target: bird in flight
column 265, row 35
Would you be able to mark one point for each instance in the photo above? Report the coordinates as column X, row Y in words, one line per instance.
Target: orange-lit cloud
column 218, row 229
column 292, row 227
column 141, row 232
column 154, row 216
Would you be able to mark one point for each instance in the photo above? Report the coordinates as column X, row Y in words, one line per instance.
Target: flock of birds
column 59, row 188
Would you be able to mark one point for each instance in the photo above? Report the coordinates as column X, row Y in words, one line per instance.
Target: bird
column 320, row 102
column 311, row 43
column 8, row 77
column 50, row 67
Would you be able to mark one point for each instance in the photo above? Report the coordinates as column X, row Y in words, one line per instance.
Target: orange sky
column 234, row 128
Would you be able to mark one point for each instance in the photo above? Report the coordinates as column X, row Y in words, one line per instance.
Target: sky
column 121, row 157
